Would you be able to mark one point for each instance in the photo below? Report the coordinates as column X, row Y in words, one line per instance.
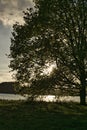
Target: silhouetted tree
column 54, row 31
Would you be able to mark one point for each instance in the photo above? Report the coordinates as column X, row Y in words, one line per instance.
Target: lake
column 4, row 96
column 49, row 98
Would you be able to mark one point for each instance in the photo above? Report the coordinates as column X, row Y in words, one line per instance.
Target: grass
column 18, row 115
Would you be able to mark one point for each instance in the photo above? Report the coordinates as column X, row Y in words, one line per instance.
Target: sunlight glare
column 49, row 69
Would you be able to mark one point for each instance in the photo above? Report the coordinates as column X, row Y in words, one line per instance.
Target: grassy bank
column 42, row 116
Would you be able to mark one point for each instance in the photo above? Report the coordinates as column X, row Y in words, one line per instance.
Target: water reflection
column 49, row 98
column 11, row 97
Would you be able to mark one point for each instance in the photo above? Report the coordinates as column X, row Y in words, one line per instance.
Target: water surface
column 49, row 98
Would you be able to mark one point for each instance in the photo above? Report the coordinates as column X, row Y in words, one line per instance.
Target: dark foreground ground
column 17, row 115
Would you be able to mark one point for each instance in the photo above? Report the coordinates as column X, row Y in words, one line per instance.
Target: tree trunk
column 83, row 85
column 83, row 95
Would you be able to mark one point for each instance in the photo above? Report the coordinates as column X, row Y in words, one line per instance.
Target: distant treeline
column 7, row 87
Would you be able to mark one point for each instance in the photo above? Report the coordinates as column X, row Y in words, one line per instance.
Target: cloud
column 5, row 76
column 12, row 10
column 5, row 34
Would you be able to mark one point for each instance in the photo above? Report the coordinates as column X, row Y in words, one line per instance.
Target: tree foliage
column 55, row 31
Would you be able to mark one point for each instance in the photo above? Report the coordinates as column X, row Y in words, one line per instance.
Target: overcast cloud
column 11, row 11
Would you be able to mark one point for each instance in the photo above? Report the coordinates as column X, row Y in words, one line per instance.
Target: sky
column 11, row 11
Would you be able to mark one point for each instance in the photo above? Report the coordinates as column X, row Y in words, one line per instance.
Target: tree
column 54, row 32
